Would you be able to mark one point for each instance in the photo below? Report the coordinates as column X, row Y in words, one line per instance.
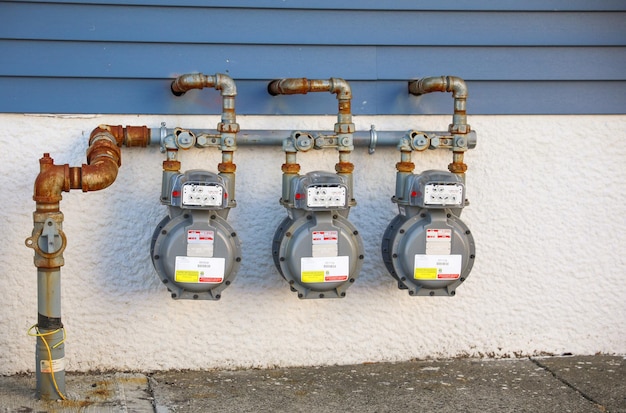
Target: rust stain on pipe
column 344, row 167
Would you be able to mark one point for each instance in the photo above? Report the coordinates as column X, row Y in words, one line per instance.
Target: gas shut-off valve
column 195, row 251
column 426, row 247
column 316, row 249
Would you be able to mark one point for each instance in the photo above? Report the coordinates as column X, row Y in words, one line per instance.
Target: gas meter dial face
column 443, row 194
column 202, row 195
column 326, row 196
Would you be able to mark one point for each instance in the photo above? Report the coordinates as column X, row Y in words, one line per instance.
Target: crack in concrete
column 584, row 395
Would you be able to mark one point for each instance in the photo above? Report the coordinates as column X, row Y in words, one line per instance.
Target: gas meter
column 426, row 247
column 316, row 249
column 195, row 251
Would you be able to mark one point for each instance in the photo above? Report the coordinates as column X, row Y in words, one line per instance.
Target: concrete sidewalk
column 551, row 384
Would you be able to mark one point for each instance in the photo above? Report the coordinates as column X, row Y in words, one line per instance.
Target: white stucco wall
column 547, row 212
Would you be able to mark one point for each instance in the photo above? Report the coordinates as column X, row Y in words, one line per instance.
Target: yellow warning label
column 186, row 276
column 425, row 274
column 312, row 276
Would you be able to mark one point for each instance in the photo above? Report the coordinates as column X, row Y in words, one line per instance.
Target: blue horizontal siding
column 119, row 57
column 119, row 96
column 137, row 60
column 323, row 27
column 488, row 5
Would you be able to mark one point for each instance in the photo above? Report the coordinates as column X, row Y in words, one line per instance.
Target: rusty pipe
column 185, row 83
column 453, row 84
column 228, row 127
column 301, row 86
column 48, row 240
column 225, row 84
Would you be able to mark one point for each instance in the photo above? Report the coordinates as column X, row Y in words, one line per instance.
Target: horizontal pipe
column 295, row 86
column 270, row 137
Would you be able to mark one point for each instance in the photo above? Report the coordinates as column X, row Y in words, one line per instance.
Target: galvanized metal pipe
column 453, row 84
column 228, row 127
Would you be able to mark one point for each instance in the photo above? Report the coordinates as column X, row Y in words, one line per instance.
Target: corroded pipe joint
column 226, row 167
column 453, row 84
column 98, row 175
column 221, row 82
column 136, row 136
column 344, row 167
column 171, row 166
column 457, row 167
column 225, row 84
column 117, row 131
column 341, row 88
column 51, row 181
column 290, row 168
column 104, row 148
column 405, row 166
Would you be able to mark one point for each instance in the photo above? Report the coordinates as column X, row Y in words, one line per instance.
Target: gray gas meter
column 316, row 249
column 426, row 247
column 195, row 251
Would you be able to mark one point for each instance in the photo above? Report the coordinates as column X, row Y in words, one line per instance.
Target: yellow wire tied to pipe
column 43, row 338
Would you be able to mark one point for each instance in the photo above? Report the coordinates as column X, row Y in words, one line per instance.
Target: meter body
column 426, row 247
column 315, row 248
column 195, row 251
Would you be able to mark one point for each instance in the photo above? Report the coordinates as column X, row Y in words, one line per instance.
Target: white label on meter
column 324, row 269
column 443, row 194
column 202, row 195
column 199, row 270
column 437, row 267
column 326, row 196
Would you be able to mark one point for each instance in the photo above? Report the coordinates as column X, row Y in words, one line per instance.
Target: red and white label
column 438, row 234
column 438, row 241
column 325, row 237
column 197, row 236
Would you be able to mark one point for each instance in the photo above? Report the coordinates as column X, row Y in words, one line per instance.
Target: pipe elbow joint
column 453, row 84
column 341, row 88
column 98, row 175
column 225, row 84
column 221, row 82
column 104, row 158
column 51, row 181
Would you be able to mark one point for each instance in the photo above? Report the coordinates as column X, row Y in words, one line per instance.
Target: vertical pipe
column 50, row 349
column 48, row 242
